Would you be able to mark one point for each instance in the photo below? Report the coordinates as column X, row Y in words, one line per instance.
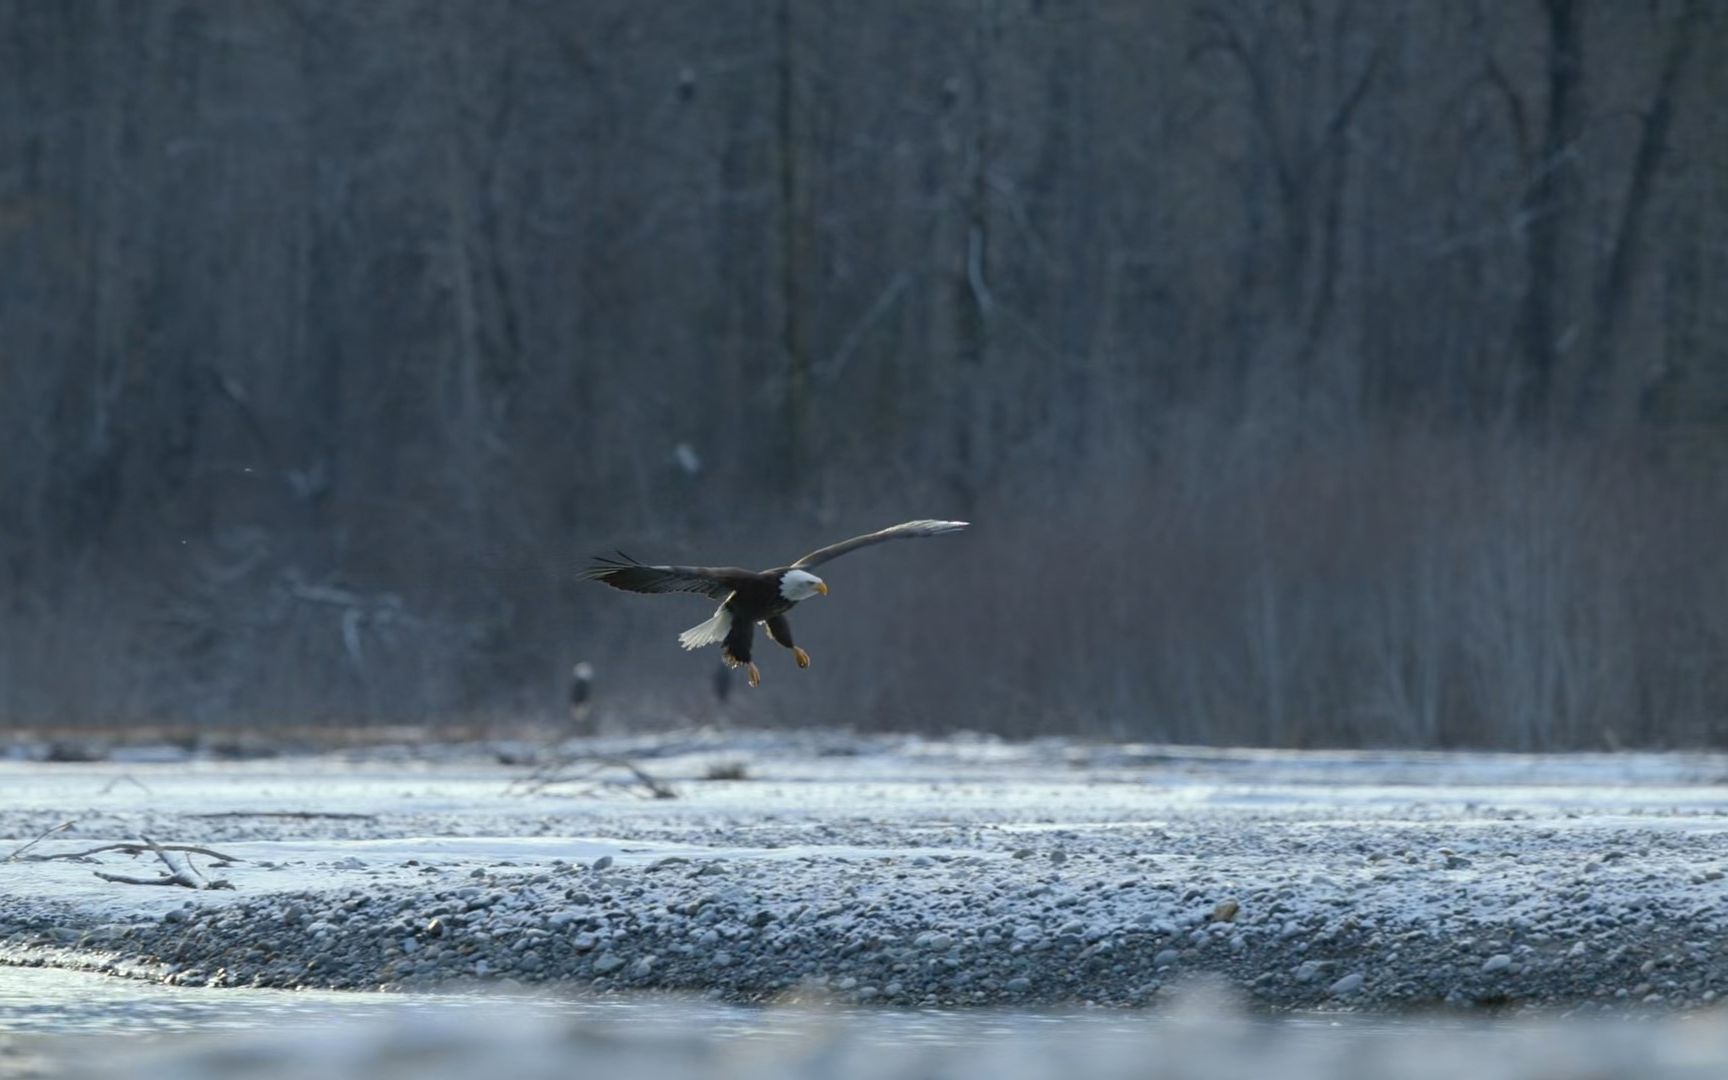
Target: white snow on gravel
column 815, row 797
column 1085, row 863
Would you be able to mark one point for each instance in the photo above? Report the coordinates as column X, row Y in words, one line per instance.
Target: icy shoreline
column 909, row 873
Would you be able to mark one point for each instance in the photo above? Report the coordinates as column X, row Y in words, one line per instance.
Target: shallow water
column 59, row 1024
column 56, row 1002
column 51, row 1001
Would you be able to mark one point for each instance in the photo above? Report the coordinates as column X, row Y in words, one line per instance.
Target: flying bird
column 748, row 597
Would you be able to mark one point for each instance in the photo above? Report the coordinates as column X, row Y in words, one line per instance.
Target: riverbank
column 897, row 871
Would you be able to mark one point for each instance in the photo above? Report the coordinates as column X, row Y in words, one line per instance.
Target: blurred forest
column 1314, row 371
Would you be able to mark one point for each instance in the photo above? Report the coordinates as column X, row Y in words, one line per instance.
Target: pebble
column 1346, row 986
column 1497, row 962
column 606, row 963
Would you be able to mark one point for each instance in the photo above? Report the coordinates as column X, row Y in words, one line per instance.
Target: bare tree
column 336, row 334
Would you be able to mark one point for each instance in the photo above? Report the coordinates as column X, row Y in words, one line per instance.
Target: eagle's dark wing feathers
column 903, row 531
column 626, row 573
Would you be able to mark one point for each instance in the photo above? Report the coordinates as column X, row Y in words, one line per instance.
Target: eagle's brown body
column 748, row 597
column 752, row 605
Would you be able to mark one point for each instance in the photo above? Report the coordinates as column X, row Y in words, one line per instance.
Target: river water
column 50, row 1001
column 62, row 1025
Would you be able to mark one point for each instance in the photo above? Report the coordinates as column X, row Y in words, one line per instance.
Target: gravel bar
column 919, row 874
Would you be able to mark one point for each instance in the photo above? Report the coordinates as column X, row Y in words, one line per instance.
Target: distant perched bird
column 581, row 690
column 722, row 684
column 749, row 597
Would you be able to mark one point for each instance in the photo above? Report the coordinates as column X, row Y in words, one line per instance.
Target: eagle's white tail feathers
column 712, row 632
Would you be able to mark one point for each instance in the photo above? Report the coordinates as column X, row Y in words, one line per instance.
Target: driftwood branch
column 162, row 879
column 298, row 815
column 553, row 774
column 16, row 852
column 127, row 778
column 180, row 871
column 133, row 849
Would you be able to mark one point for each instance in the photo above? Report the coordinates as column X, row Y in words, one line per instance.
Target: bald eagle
column 748, row 597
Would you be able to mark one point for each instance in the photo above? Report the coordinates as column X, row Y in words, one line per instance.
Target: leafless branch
column 165, row 879
column 63, row 826
column 128, row 778
column 181, row 872
column 297, row 815
column 831, row 369
column 129, row 849
column 553, row 774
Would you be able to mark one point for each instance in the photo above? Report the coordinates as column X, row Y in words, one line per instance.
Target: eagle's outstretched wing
column 903, row 531
column 624, row 572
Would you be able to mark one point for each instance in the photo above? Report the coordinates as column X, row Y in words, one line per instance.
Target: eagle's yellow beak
column 822, row 587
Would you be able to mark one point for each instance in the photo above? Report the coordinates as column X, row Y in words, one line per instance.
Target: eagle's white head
column 801, row 585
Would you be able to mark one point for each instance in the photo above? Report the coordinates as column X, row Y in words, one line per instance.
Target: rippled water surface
column 53, row 1001
column 59, row 1025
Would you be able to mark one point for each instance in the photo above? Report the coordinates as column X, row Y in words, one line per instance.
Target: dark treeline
column 1315, row 371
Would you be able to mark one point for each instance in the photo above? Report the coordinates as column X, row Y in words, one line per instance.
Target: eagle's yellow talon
column 801, row 656
column 755, row 676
